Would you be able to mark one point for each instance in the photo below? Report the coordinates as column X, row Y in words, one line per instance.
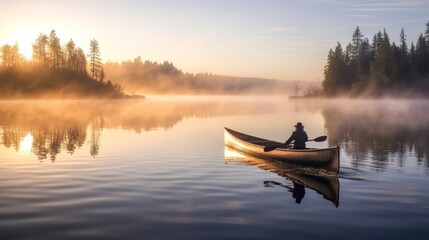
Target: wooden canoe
column 327, row 186
column 324, row 158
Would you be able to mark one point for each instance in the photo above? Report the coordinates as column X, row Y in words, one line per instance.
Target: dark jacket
column 299, row 137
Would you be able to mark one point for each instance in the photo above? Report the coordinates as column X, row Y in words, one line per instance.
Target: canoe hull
column 326, row 158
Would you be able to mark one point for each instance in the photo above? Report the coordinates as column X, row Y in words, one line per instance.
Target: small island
column 55, row 71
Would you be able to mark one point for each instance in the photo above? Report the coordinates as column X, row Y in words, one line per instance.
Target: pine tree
column 80, row 61
column 335, row 72
column 40, row 49
column 382, row 67
column 422, row 56
column 404, row 62
column 55, row 53
column 356, row 43
column 70, row 56
column 94, row 60
column 427, row 31
column 365, row 58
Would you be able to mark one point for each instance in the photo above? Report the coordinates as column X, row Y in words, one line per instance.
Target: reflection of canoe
column 328, row 187
column 325, row 158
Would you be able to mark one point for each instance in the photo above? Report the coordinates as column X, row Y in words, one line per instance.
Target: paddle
column 271, row 148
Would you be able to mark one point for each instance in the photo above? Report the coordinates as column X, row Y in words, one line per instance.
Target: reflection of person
column 299, row 137
column 298, row 192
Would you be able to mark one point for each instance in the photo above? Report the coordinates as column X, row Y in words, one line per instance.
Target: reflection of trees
column 12, row 136
column 380, row 129
column 75, row 137
column 53, row 126
column 63, row 125
column 96, row 127
column 47, row 140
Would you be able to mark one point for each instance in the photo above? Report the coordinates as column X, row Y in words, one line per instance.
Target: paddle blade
column 270, row 148
column 320, row 139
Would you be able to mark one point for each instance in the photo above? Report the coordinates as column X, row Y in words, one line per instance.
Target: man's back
column 299, row 137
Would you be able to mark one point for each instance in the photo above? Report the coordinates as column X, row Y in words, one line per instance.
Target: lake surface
column 158, row 169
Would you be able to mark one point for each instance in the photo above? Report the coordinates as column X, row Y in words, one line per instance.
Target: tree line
column 378, row 68
column 164, row 78
column 55, row 70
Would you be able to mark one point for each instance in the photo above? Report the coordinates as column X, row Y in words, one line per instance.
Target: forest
column 55, row 71
column 378, row 69
column 147, row 77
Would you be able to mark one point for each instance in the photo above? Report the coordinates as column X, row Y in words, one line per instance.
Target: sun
column 27, row 51
column 24, row 37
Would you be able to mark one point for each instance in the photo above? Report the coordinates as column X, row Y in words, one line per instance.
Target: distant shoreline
column 421, row 97
column 262, row 96
column 125, row 97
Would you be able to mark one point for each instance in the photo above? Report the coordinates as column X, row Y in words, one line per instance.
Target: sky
column 277, row 39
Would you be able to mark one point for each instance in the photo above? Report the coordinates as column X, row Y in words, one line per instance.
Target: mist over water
column 126, row 169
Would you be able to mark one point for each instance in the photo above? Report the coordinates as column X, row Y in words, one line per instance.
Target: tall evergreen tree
column 382, row 67
column 40, row 49
column 356, row 44
column 413, row 56
column 403, row 44
column 422, row 56
column 404, row 62
column 17, row 56
column 70, row 56
column 427, row 31
column 365, row 58
column 81, row 61
column 55, row 53
column 351, row 61
column 427, row 46
column 95, row 60
column 353, row 57
column 335, row 72
column 396, row 66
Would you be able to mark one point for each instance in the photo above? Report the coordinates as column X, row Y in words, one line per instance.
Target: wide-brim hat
column 299, row 125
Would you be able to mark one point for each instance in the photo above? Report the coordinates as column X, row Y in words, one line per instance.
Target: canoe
column 323, row 158
column 327, row 186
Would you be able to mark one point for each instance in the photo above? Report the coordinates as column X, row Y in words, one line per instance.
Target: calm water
column 158, row 169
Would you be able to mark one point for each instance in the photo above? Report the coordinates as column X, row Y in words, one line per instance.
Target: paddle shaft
column 284, row 144
column 271, row 148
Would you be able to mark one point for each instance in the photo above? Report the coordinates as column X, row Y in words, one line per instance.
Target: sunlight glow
column 24, row 36
column 26, row 144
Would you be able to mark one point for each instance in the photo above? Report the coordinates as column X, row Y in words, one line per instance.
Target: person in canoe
column 299, row 136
